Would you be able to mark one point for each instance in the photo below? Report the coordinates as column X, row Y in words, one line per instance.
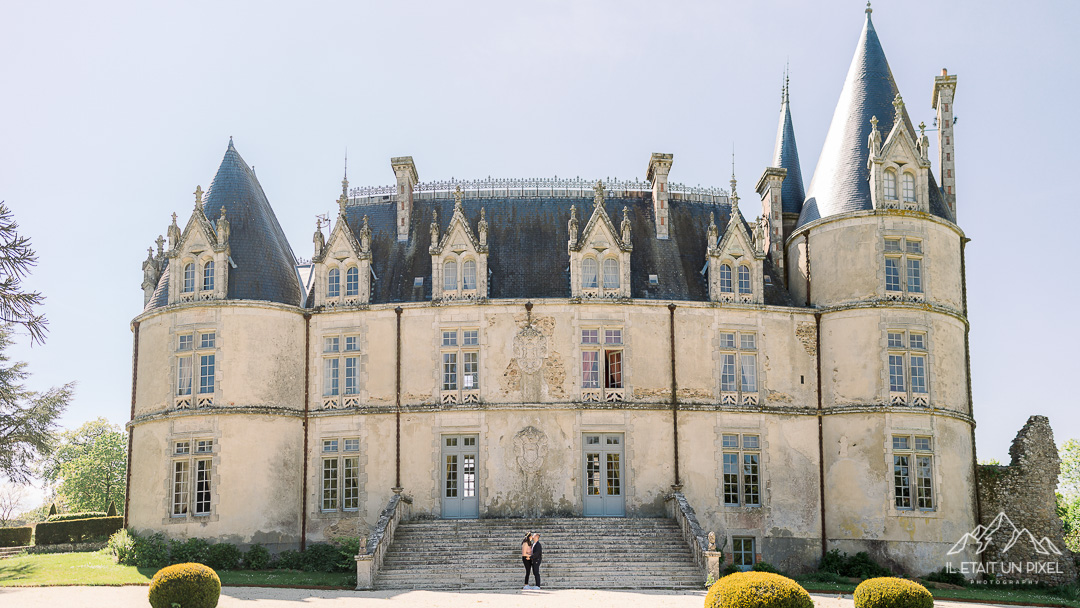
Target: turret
column 942, row 101
column 657, row 174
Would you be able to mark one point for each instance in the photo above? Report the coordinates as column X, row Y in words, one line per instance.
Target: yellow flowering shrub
column 757, row 590
column 189, row 585
column 890, row 592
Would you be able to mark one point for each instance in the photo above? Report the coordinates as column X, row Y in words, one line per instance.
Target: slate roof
column 527, row 243
column 786, row 156
column 841, row 179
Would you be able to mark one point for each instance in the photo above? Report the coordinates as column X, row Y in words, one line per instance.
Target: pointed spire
column 786, row 154
column 345, row 179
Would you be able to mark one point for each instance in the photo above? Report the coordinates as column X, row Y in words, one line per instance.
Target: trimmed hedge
column 15, row 537
column 187, row 585
column 78, row 531
column 757, row 590
column 890, row 592
column 74, row 516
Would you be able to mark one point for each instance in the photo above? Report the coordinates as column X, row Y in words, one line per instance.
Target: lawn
column 986, row 594
column 99, row 569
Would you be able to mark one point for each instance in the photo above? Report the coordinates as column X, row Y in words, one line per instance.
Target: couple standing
column 532, row 553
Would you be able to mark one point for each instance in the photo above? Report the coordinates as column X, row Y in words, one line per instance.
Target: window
column 742, row 469
column 738, row 367
column 602, row 364
column 189, row 278
column 187, row 466
column 588, row 273
column 742, row 552
column 890, row 184
column 913, row 472
column 460, row 360
column 908, row 183
column 725, row 278
column 468, row 275
column 903, row 268
column 611, row 273
column 352, row 281
column 342, row 353
column 907, row 354
column 744, row 280
column 333, row 283
column 449, row 276
column 196, row 353
column 208, row 276
column 340, row 474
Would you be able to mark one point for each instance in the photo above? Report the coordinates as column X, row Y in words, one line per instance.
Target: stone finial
column 318, row 238
column 734, row 201
column 365, row 237
column 482, row 228
column 198, row 197
column 714, row 232
column 458, row 197
column 434, row 228
column 898, row 106
column 160, row 245
column 222, row 227
column 761, row 228
column 174, row 233
column 868, row 9
column 598, row 196
column 874, row 140
column 572, row 226
column 625, row 226
column 924, row 142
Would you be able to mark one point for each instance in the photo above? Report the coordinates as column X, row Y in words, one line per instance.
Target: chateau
column 548, row 347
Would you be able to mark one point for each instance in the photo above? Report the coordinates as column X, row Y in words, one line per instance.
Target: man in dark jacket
column 537, row 557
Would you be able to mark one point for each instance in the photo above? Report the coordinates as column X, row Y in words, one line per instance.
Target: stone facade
column 1017, row 502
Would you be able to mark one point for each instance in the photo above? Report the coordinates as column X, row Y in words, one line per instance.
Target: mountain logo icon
column 983, row 536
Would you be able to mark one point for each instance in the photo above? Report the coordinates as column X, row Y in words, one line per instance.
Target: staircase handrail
column 370, row 559
column 707, row 558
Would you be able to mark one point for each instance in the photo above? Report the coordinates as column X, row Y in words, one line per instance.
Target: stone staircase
column 13, row 551
column 579, row 553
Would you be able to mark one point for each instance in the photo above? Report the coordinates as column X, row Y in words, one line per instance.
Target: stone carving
column 530, row 449
column 874, row 140
column 198, row 197
column 174, row 233
column 625, row 226
column 222, row 228
column 318, row 238
column 482, row 228
column 898, row 107
column 712, row 541
column 530, row 348
column 598, row 193
column 434, row 228
column 572, row 226
column 365, row 237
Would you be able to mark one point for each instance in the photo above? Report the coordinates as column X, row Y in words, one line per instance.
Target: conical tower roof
column 265, row 267
column 786, row 156
column 841, row 179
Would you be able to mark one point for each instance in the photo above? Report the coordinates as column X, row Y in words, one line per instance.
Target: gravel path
column 255, row 597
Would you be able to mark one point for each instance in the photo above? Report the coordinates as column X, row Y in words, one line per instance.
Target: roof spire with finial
column 868, row 9
column 345, row 180
column 733, row 194
column 230, row 141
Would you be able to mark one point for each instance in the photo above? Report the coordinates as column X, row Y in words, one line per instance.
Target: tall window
column 449, row 276
column 333, row 283
column 890, row 184
column 725, row 279
column 343, row 364
column 189, row 278
column 352, row 281
column 744, row 280
column 340, row 474
column 908, row 183
column 208, row 276
column 611, row 273
column 588, row 273
column 907, row 367
column 192, row 460
column 196, row 354
column 602, row 364
column 460, row 365
column 738, row 367
column 903, row 267
column 742, row 469
column 742, row 552
column 468, row 275
column 913, row 472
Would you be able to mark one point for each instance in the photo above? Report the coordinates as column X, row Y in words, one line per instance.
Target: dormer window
column 450, row 276
column 611, row 273
column 208, row 276
column 744, row 279
column 725, row 279
column 889, row 184
column 189, row 278
column 352, row 281
column 909, row 187
column 588, row 273
column 468, row 275
column 333, row 283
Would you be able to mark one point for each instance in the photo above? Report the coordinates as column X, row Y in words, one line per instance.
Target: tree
column 88, row 468
column 16, row 260
column 11, row 498
column 1069, row 480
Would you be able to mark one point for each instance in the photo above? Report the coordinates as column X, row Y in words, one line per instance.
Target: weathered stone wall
column 1024, row 493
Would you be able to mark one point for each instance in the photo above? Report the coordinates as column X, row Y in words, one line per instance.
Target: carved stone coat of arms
column 530, row 448
column 530, row 348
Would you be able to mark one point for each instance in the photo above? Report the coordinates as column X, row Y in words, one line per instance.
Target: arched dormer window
column 890, row 184
column 909, row 187
column 449, row 276
column 352, row 281
column 333, row 283
column 725, row 278
column 588, row 273
column 611, row 273
column 189, row 278
column 468, row 275
column 208, row 276
column 744, row 279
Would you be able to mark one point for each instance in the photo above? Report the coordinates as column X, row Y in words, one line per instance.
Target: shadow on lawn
column 14, row 572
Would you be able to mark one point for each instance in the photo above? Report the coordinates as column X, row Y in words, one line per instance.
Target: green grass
column 99, row 569
column 984, row 594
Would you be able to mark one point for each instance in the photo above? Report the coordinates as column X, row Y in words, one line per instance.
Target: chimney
column 405, row 170
column 944, row 90
column 659, row 166
column 772, row 209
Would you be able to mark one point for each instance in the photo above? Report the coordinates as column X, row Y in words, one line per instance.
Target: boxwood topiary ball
column 757, row 590
column 189, row 585
column 891, row 592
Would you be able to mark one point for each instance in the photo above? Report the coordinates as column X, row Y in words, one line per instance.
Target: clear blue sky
column 111, row 113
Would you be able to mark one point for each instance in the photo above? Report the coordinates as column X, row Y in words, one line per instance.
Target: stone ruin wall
column 1024, row 491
